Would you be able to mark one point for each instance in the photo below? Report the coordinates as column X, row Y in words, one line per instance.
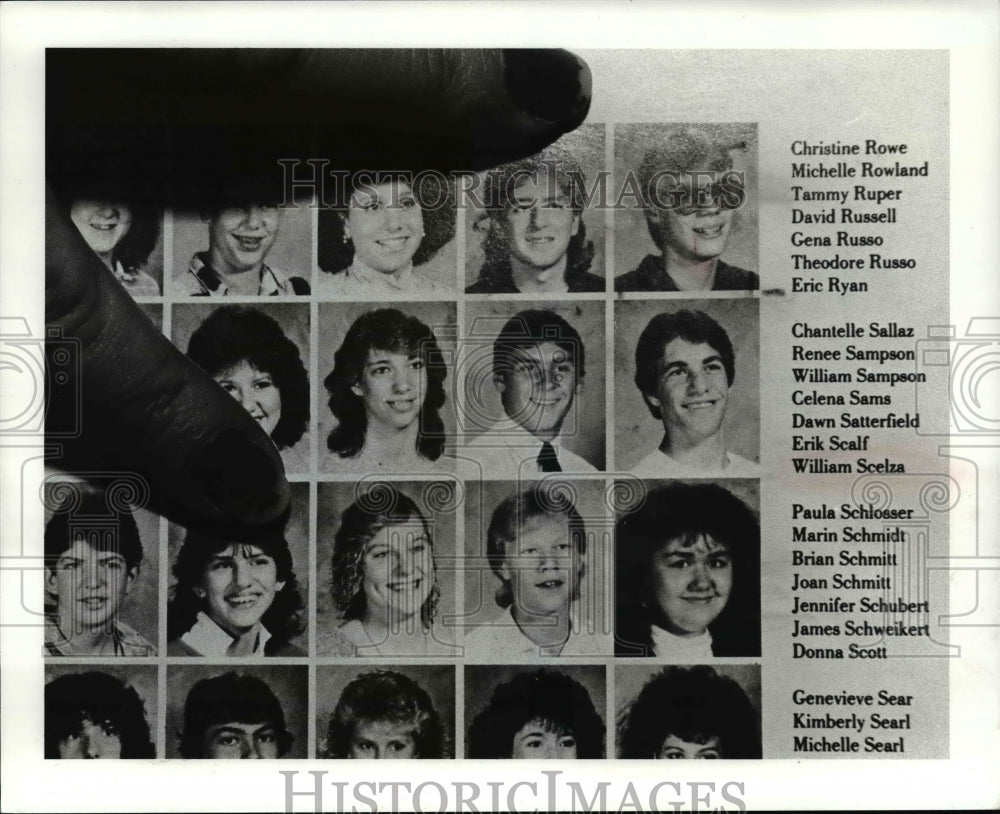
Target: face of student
column 239, row 741
column 543, row 569
column 538, row 389
column 691, row 392
column 692, row 233
column 673, row 748
column 241, row 236
column 238, row 585
column 383, row 740
column 690, row 584
column 536, row 740
column 540, row 222
column 90, row 585
column 92, row 741
column 385, row 224
column 398, row 570
column 103, row 224
column 255, row 391
column 393, row 386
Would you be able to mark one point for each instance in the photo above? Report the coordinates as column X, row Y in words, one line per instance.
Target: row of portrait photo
column 552, row 570
column 653, row 388
column 398, row 712
column 608, row 208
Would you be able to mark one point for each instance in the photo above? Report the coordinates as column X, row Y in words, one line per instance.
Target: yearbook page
column 616, row 386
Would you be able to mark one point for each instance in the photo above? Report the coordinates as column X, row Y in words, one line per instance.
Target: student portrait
column 687, row 388
column 694, row 225
column 100, row 713
column 100, row 590
column 259, row 355
column 241, row 598
column 393, row 240
column 535, row 713
column 537, row 560
column 533, row 383
column 378, row 551
column 385, row 712
column 386, row 406
column 531, row 236
column 244, row 247
column 688, row 713
column 687, row 572
column 218, row 713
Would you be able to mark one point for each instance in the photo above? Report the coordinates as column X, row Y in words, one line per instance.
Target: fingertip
column 548, row 83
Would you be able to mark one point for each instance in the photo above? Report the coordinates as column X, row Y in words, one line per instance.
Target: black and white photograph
column 394, row 239
column 231, row 598
column 101, row 571
column 537, row 570
column 687, row 388
column 386, row 554
column 259, row 354
column 532, row 380
column 385, row 712
column 532, row 226
column 687, row 571
column 243, row 248
column 105, row 712
column 566, row 402
column 216, row 712
column 387, row 404
column 535, row 713
column 693, row 712
column 696, row 223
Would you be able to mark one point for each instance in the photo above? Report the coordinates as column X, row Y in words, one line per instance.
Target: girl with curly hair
column 248, row 354
column 234, row 599
column 384, row 580
column 386, row 390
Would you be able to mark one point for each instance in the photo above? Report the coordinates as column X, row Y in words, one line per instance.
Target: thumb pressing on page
column 190, row 129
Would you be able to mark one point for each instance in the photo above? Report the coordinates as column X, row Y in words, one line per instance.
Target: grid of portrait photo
column 519, row 412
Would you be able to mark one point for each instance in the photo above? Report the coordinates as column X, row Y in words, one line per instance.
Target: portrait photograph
column 386, row 403
column 393, row 239
column 688, row 713
column 242, row 248
column 689, row 219
column 697, row 411
column 259, row 354
column 102, row 571
column 537, row 570
column 532, row 380
column 687, row 570
column 386, row 555
column 101, row 712
column 385, row 712
column 532, row 227
column 237, row 712
column 535, row 713
column 234, row 599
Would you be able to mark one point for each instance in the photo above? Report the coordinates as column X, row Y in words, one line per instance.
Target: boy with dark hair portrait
column 92, row 557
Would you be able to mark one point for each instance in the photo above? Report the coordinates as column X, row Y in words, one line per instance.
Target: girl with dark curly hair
column 384, row 715
column 538, row 715
column 688, row 575
column 370, row 247
column 384, row 580
column 690, row 713
column 234, row 599
column 248, row 354
column 95, row 716
column 386, row 390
